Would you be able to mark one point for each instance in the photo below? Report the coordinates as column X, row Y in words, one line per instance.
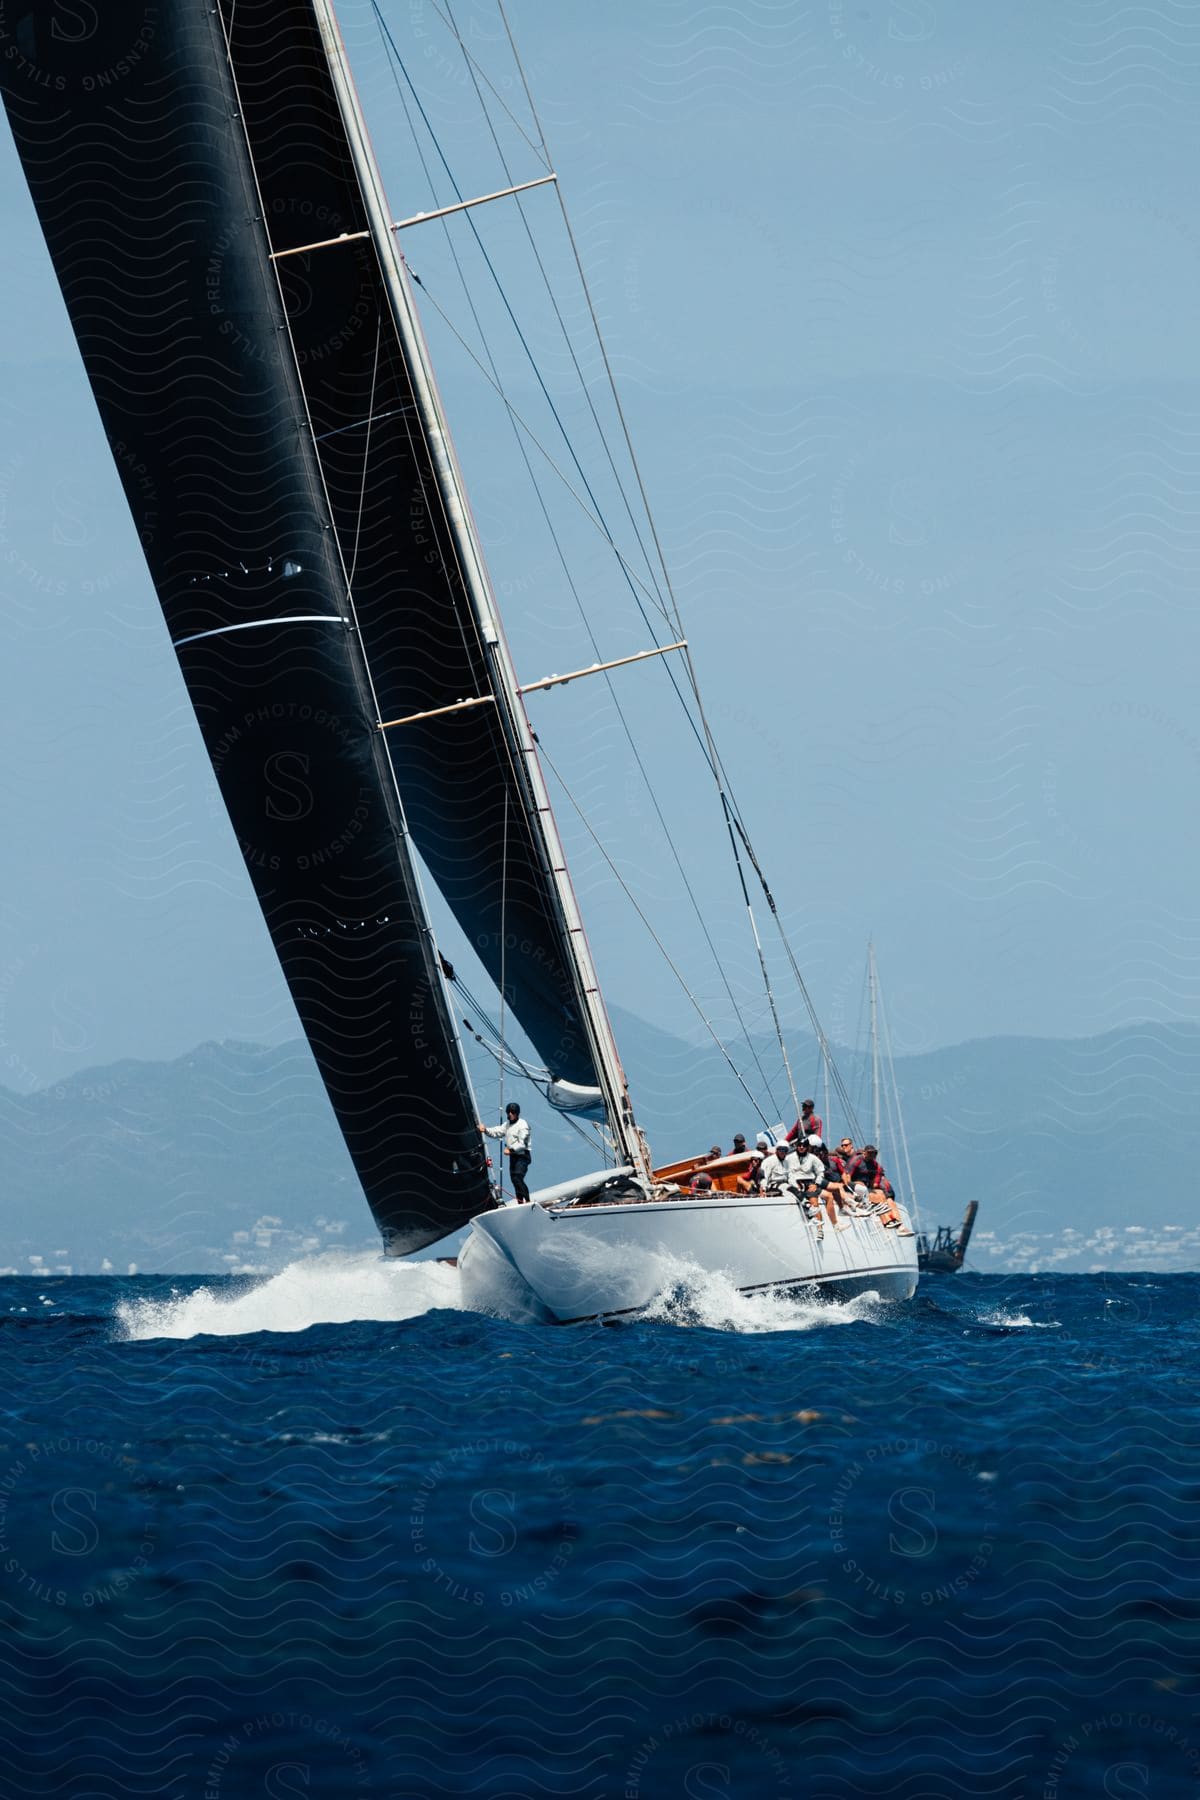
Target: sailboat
column 218, row 226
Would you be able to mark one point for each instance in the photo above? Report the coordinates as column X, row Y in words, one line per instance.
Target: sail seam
column 255, row 624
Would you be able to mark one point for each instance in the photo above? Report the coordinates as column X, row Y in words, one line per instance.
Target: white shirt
column 810, row 1168
column 516, row 1135
column 779, row 1171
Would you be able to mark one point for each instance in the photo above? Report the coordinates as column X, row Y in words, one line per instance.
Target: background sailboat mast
column 627, row 1139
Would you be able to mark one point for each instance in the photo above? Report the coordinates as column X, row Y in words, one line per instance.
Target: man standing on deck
column 809, row 1124
column 515, row 1132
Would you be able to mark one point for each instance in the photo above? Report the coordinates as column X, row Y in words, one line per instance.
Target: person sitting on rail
column 810, row 1182
column 780, row 1169
column 784, row 1172
column 808, row 1124
column 837, row 1188
column 830, row 1190
column 866, row 1171
column 750, row 1180
column 810, row 1170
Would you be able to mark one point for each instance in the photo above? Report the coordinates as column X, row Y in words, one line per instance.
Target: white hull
column 533, row 1263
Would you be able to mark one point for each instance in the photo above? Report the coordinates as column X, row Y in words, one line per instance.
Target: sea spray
column 335, row 1288
column 708, row 1297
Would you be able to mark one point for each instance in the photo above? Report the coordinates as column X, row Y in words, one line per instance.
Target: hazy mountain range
column 1080, row 1151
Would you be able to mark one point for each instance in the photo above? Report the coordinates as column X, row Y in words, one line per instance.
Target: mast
column 627, row 1140
column 872, row 988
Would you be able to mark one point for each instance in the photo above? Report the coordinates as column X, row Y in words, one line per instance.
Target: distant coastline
column 228, row 1159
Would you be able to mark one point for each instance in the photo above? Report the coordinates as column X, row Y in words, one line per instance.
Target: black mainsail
column 213, row 213
column 144, row 184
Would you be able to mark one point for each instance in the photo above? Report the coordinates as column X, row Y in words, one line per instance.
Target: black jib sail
column 231, row 114
column 164, row 168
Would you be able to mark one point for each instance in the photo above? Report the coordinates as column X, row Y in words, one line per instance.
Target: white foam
column 335, row 1288
column 698, row 1296
column 1015, row 1321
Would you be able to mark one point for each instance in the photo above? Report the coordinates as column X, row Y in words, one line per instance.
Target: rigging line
column 572, row 586
column 516, row 772
column 633, row 581
column 435, row 502
column 708, row 1025
column 567, row 339
column 587, row 294
column 895, row 1089
column 503, row 931
column 713, row 757
column 362, row 492
column 818, row 1029
column 539, row 150
column 508, row 1058
column 762, row 963
column 593, row 518
column 709, row 753
column 860, row 1038
column 707, row 742
column 724, row 786
column 473, row 645
column 356, row 424
column 588, row 514
column 507, row 304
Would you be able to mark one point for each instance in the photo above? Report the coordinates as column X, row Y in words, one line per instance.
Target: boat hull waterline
column 535, row 1264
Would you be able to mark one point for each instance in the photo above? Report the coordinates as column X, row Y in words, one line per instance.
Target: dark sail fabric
column 127, row 123
column 466, row 794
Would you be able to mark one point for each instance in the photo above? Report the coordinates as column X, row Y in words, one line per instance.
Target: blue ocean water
column 747, row 1547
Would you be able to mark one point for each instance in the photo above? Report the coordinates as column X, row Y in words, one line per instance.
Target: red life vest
column 870, row 1174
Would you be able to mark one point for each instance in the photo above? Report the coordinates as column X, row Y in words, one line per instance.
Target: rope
column 477, row 68
column 710, row 1028
column 362, row 492
column 702, row 731
column 901, row 1134
column 562, row 324
column 507, row 304
column 556, row 541
column 712, row 756
column 503, row 936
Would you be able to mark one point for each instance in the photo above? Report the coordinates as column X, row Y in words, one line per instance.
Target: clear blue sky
column 902, row 298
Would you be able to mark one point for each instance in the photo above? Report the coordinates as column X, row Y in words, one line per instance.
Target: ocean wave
column 333, row 1288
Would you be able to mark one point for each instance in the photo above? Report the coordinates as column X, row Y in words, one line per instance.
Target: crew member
column 866, row 1170
column 808, row 1124
column 807, row 1183
column 750, row 1180
column 780, row 1168
column 837, row 1188
column 515, row 1132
